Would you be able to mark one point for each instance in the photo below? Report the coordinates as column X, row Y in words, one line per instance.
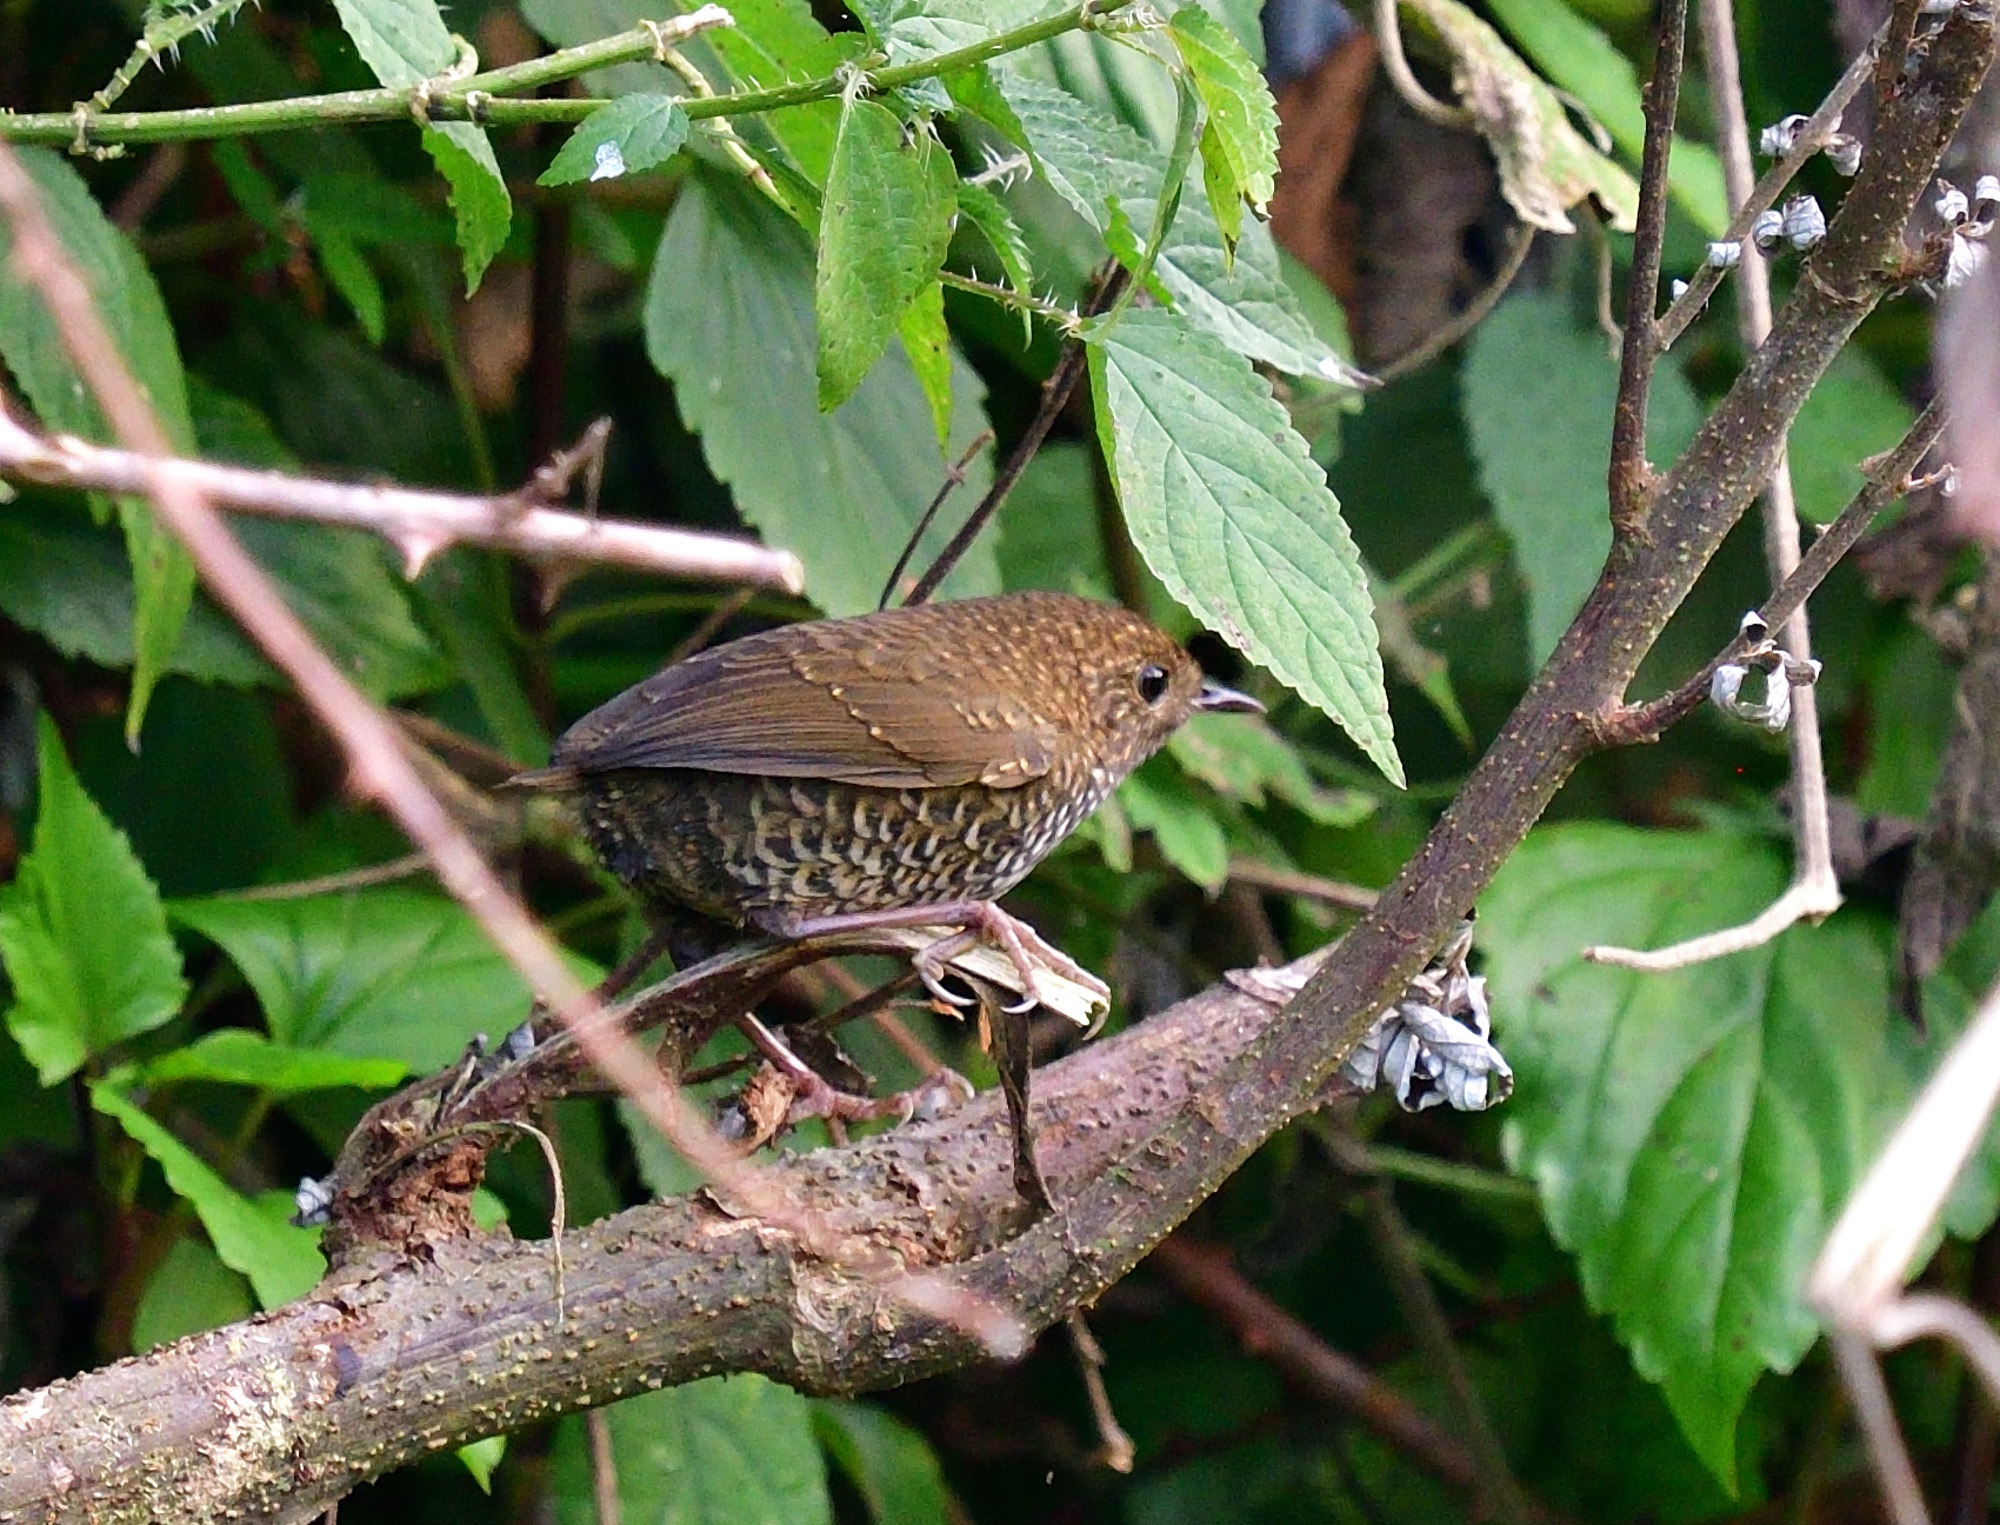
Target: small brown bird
column 904, row 768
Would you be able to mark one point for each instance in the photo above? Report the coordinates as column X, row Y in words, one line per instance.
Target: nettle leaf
column 985, row 211
column 1242, row 757
column 776, row 42
column 927, row 342
column 891, row 196
column 1692, row 1133
column 31, row 346
column 721, row 1451
column 391, row 973
column 1538, row 394
column 281, row 1261
column 890, row 1464
column 1546, row 165
column 82, row 932
column 1239, row 140
column 1092, row 162
column 405, row 42
column 729, row 320
column 1234, row 516
column 633, row 133
column 1587, row 64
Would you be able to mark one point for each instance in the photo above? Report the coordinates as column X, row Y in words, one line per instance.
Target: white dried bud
column 1768, row 231
column 1947, row 481
column 1968, row 256
column 1951, row 205
column 1677, row 290
column 1843, row 152
column 1803, row 223
column 1986, row 201
column 1773, row 711
column 1777, row 140
column 1937, row 7
column 1724, row 255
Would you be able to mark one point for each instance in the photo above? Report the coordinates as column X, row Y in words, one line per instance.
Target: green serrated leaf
column 985, row 211
column 1546, row 165
column 387, row 973
column 1121, row 240
column 1239, row 141
column 1582, row 60
column 1538, row 394
column 927, row 342
column 82, row 932
column 891, row 194
column 482, row 1457
column 1235, row 518
column 405, row 42
column 239, row 1057
column 891, row 1465
column 776, row 42
column 282, row 1262
column 1092, row 161
column 1692, row 1133
column 31, row 346
column 723, row 1451
column 633, row 133
column 729, row 320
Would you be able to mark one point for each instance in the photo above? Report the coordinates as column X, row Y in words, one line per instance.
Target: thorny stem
column 1631, row 477
column 473, row 99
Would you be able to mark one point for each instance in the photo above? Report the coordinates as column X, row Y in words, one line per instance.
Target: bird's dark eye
column 1152, row 683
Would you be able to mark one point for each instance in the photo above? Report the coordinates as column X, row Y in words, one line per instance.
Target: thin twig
column 603, row 1468
column 394, row 871
column 1286, row 881
column 954, row 478
column 1114, row 1446
column 1631, row 477
column 418, row 524
column 381, row 770
column 1809, row 140
column 1888, row 479
column 1462, row 323
column 1055, row 396
column 1815, row 891
column 1389, row 38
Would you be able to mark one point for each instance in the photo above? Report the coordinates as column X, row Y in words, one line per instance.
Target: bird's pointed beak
column 1215, row 699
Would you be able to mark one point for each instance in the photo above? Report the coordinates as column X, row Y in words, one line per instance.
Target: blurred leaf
column 633, row 133
column 351, row 275
column 662, row 1167
column 406, row 42
column 388, row 973
column 729, row 321
column 1582, row 60
column 468, row 598
column 82, row 932
column 1239, row 139
column 1538, row 393
column 123, row 293
column 1852, row 414
column 1092, row 161
column 281, row 1261
column 1159, row 800
column 776, row 42
column 1242, row 757
column 1692, row 1133
column 891, row 193
column 1546, row 165
column 891, row 1465
column 1235, row 518
column 722, row 1451
column 927, row 343
column 189, row 1291
column 239, row 1057
column 1911, row 694
column 1052, row 537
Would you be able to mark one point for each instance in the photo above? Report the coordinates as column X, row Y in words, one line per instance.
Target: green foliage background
column 1619, row 1248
